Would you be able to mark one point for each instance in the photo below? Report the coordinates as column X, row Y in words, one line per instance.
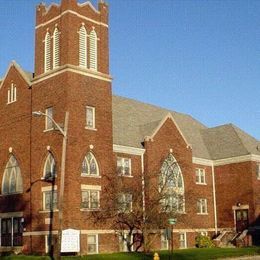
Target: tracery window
column 12, row 178
column 49, row 170
column 89, row 166
column 171, row 186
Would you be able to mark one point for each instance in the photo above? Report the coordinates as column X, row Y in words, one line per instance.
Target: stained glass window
column 12, row 178
column 171, row 185
column 89, row 166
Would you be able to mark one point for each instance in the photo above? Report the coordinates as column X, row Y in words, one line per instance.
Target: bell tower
column 71, row 35
column 72, row 75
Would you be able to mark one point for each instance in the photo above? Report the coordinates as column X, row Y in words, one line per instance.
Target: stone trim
column 72, row 12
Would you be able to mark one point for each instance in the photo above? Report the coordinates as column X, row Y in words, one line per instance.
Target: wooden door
column 241, row 219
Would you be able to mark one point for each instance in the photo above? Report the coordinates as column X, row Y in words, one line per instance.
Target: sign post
column 172, row 221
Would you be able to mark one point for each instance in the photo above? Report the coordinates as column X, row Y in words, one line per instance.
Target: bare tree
column 138, row 210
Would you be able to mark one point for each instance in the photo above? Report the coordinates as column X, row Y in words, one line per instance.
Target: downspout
column 214, row 198
column 143, row 183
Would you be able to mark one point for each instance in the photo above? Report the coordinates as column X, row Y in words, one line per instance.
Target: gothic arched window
column 93, row 50
column 49, row 170
column 12, row 178
column 82, row 46
column 171, row 185
column 56, row 48
column 89, row 165
column 47, row 52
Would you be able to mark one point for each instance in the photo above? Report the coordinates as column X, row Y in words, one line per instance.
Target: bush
column 204, row 242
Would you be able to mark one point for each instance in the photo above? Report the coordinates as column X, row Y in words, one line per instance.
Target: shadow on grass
column 186, row 254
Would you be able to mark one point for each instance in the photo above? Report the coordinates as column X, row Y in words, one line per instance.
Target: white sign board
column 70, row 241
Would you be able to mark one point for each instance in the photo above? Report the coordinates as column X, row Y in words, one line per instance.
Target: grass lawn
column 186, row 254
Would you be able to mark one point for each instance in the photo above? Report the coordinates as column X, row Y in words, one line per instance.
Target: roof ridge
column 161, row 108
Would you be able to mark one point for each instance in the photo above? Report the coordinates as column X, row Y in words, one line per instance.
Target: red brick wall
column 15, row 121
column 168, row 137
column 233, row 185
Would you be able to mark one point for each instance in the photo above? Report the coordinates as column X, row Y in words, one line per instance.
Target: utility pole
column 64, row 132
column 62, row 182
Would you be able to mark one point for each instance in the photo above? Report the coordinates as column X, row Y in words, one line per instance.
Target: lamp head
column 37, row 113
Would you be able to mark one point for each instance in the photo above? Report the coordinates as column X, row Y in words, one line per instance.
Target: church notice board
column 70, row 241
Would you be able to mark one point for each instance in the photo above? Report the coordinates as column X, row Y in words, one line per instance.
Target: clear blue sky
column 197, row 57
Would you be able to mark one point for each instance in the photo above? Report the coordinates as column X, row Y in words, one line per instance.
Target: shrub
column 204, row 242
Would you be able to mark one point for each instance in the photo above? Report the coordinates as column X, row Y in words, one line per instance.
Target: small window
column 124, row 166
column 48, row 118
column 258, row 171
column 89, row 166
column 50, row 200
column 90, row 199
column 49, row 171
column 200, row 176
column 11, row 97
column 202, row 206
column 183, row 243
column 164, row 240
column 90, row 117
column 125, row 203
column 92, row 244
column 125, row 241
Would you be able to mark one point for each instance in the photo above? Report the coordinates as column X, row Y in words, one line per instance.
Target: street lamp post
column 63, row 164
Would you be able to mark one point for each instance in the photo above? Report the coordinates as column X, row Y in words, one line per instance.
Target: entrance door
column 6, row 232
column 241, row 219
column 17, row 232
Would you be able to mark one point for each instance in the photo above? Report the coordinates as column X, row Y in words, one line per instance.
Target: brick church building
column 215, row 170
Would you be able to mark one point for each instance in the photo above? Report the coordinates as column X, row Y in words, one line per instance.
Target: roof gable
column 24, row 75
column 159, row 126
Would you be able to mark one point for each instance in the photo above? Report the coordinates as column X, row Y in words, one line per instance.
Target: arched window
column 49, row 171
column 47, row 52
column 56, row 48
column 89, row 166
column 82, row 46
column 171, row 185
column 12, row 178
column 93, row 50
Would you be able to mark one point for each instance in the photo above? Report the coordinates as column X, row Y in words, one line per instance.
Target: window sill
column 9, row 248
column 8, row 103
column 10, row 194
column 127, row 176
column 48, row 211
column 90, row 209
column 48, row 130
column 202, row 213
column 90, row 176
column 90, row 128
column 200, row 183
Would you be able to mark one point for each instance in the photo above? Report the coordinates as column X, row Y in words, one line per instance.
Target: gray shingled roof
column 133, row 120
column 229, row 141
